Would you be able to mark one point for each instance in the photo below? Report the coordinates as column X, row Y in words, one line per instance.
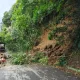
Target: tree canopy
column 24, row 19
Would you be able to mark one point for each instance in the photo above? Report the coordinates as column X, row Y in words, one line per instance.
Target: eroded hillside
column 60, row 40
column 47, row 31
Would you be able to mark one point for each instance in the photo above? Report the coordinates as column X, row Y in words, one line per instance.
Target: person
column 2, row 61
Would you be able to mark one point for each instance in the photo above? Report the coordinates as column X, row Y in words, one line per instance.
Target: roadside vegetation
column 21, row 58
column 23, row 26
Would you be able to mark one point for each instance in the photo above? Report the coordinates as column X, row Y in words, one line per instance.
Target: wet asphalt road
column 33, row 72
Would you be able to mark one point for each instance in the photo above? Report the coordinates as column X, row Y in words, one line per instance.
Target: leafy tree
column 6, row 19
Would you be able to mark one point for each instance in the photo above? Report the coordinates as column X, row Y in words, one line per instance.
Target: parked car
column 2, row 47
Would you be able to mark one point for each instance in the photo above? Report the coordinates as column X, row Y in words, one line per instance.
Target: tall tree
column 7, row 19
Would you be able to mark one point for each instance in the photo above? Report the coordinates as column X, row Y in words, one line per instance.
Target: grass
column 73, row 69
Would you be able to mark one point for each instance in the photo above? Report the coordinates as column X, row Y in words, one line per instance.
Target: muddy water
column 33, row 72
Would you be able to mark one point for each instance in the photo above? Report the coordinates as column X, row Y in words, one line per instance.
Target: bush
column 20, row 58
column 62, row 61
column 44, row 60
column 40, row 58
column 37, row 56
column 56, row 30
column 50, row 36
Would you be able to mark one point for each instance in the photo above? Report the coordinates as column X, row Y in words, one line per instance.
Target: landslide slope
column 61, row 37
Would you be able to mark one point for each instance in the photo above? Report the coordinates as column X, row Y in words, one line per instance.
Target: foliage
column 62, row 61
column 6, row 19
column 76, row 20
column 25, row 18
column 2, row 35
column 40, row 58
column 74, row 69
column 37, row 56
column 77, row 39
column 20, row 58
column 44, row 61
column 52, row 34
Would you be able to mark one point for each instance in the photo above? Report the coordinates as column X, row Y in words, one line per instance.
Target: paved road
column 33, row 72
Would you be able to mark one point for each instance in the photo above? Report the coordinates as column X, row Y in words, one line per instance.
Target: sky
column 5, row 5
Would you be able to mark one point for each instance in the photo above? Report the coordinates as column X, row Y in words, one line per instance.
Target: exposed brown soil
column 44, row 41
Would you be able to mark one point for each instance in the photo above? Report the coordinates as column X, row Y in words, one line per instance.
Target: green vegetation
column 76, row 20
column 40, row 58
column 6, row 19
column 74, row 69
column 22, row 27
column 77, row 38
column 62, row 61
column 20, row 58
column 44, row 61
column 52, row 34
column 23, row 22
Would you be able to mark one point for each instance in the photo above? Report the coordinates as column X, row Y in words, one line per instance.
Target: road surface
column 33, row 72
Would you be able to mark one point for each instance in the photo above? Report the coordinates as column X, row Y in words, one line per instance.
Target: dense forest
column 48, row 31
